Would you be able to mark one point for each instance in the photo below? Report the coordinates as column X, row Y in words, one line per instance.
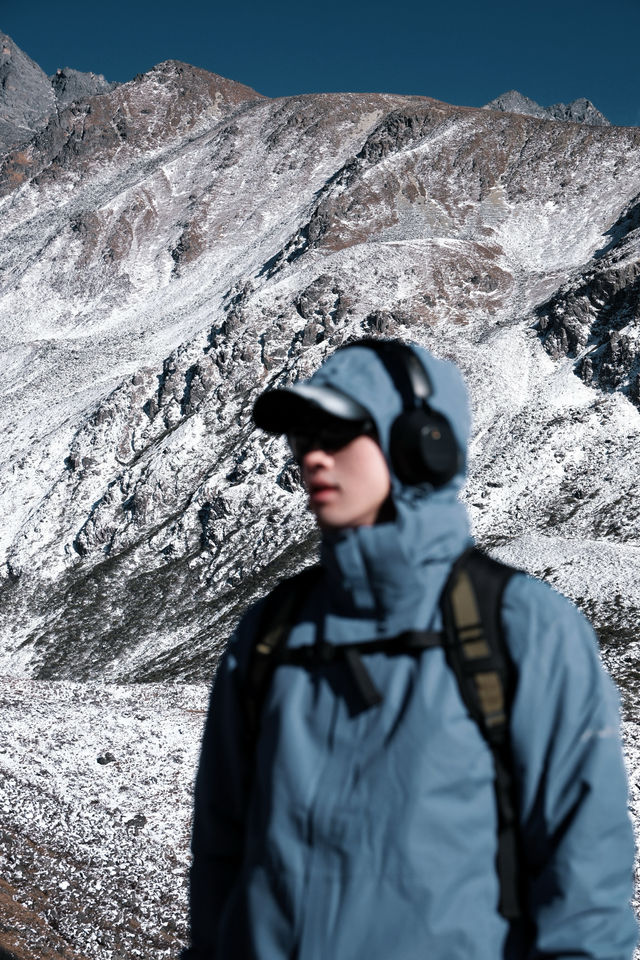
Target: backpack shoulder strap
column 280, row 611
column 474, row 643
column 478, row 654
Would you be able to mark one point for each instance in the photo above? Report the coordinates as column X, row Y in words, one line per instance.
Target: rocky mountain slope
column 95, row 798
column 173, row 246
column 169, row 248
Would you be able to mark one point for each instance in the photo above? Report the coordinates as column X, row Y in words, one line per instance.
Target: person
column 346, row 828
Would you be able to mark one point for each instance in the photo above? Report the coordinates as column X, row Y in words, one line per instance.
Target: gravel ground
column 95, row 798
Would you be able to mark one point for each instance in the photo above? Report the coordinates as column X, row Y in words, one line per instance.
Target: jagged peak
column 26, row 97
column 580, row 110
column 515, row 102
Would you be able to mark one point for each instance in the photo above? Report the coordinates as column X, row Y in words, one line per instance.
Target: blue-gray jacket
column 371, row 835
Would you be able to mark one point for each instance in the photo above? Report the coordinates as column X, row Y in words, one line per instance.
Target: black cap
column 289, row 409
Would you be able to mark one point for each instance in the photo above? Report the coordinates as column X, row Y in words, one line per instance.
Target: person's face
column 348, row 486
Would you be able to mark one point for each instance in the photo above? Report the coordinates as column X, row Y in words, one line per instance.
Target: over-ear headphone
column 422, row 445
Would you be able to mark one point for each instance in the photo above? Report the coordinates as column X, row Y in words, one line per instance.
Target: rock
column 578, row 111
column 136, row 823
column 600, row 310
column 515, row 102
column 70, row 85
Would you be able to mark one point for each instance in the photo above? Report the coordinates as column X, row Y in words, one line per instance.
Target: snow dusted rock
column 95, row 857
column 171, row 101
column 595, row 317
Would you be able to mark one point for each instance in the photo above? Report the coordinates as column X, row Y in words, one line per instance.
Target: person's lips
column 320, row 491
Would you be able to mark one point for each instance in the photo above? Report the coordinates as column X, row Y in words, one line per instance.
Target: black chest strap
column 320, row 654
column 280, row 612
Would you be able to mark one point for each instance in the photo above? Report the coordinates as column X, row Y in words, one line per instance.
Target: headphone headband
column 409, row 376
column 422, row 444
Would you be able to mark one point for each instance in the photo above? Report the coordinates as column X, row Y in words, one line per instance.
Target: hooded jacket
column 350, row 834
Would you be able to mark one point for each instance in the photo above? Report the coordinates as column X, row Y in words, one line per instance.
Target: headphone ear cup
column 423, row 448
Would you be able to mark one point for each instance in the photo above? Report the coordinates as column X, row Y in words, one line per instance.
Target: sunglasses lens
column 328, row 437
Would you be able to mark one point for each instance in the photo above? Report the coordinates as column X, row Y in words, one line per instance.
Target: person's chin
column 327, row 516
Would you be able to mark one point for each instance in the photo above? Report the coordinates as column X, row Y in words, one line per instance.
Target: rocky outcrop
column 29, row 99
column 70, row 85
column 595, row 318
column 514, row 102
column 578, row 111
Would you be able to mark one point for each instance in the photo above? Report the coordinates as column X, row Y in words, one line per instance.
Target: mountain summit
column 70, row 85
column 26, row 95
column 578, row 111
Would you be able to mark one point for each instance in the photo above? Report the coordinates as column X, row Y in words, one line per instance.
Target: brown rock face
column 170, row 102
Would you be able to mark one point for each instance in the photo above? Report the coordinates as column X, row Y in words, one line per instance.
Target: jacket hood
column 359, row 373
column 399, row 568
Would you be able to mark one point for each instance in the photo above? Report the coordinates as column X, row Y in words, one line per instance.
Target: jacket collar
column 390, row 570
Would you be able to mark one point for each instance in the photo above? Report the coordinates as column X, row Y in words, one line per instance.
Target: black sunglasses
column 329, row 436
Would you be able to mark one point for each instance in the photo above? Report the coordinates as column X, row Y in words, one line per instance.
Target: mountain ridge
column 28, row 97
column 580, row 110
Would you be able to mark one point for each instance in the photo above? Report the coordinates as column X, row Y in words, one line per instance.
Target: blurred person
column 412, row 752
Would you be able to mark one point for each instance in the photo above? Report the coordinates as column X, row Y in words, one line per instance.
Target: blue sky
column 465, row 52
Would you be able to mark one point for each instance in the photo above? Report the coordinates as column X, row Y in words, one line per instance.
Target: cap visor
column 291, row 408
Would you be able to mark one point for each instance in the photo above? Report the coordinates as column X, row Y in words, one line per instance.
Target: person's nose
column 316, row 459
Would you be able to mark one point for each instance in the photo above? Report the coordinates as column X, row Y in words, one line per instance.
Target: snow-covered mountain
column 169, row 248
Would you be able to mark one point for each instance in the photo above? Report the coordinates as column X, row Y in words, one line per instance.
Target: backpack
column 475, row 648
